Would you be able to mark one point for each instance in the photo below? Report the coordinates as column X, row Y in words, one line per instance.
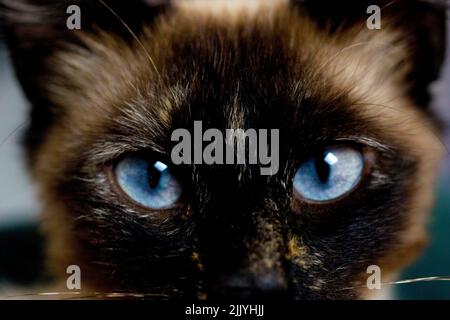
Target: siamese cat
column 358, row 148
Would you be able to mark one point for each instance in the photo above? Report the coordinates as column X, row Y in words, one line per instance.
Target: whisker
column 389, row 4
column 16, row 129
column 438, row 137
column 406, row 281
column 85, row 295
column 353, row 45
column 425, row 279
column 133, row 35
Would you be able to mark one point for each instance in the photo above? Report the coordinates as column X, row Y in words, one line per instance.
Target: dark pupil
column 153, row 175
column 322, row 168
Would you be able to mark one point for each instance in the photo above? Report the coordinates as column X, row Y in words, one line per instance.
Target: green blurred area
column 436, row 259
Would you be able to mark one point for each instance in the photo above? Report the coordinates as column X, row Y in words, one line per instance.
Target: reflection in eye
column 149, row 183
column 331, row 174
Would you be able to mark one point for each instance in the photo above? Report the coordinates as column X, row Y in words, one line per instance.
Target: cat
column 350, row 103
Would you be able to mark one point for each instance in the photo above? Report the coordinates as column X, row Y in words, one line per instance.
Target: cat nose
column 246, row 286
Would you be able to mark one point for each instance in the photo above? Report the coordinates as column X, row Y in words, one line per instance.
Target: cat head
column 107, row 98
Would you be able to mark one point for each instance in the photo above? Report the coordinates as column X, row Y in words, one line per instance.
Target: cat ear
column 33, row 29
column 422, row 24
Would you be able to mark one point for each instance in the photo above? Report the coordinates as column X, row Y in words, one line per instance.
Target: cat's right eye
column 150, row 184
column 330, row 174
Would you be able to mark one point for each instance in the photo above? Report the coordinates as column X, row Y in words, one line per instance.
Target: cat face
column 104, row 100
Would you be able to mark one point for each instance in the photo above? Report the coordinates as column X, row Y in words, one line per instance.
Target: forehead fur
column 189, row 47
column 109, row 69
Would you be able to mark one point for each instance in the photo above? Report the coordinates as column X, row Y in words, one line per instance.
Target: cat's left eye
column 151, row 184
column 330, row 174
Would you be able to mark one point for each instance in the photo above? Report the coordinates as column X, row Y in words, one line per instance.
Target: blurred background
column 21, row 244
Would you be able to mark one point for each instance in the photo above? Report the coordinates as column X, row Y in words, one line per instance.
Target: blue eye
column 329, row 175
column 151, row 184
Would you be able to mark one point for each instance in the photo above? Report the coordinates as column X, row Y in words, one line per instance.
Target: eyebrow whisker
column 133, row 35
